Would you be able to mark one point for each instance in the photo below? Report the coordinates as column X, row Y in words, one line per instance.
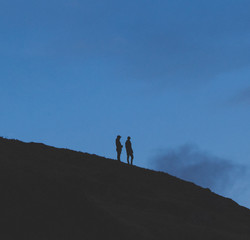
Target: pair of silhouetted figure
column 128, row 146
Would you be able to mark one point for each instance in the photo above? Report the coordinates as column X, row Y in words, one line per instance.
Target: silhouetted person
column 118, row 147
column 129, row 150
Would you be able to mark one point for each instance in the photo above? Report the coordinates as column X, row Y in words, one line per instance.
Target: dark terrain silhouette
column 53, row 194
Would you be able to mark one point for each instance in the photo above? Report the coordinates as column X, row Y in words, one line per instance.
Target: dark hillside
column 49, row 193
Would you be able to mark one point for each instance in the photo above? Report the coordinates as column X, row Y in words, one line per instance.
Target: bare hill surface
column 55, row 194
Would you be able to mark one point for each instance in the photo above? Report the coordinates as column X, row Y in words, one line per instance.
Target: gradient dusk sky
column 173, row 75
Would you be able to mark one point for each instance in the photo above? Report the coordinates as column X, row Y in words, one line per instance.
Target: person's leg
column 128, row 158
column 119, row 155
column 132, row 157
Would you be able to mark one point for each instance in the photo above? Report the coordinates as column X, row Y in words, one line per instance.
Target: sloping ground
column 50, row 193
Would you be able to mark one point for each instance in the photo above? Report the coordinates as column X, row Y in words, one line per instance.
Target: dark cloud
column 190, row 163
column 243, row 97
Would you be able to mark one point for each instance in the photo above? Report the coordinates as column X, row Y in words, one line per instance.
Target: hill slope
column 49, row 193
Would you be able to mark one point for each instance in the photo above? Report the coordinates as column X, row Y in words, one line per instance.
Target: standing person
column 129, row 150
column 118, row 147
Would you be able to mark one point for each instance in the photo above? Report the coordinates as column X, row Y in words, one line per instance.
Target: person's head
column 118, row 136
column 129, row 138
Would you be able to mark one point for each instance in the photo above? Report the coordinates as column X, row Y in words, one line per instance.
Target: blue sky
column 168, row 73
